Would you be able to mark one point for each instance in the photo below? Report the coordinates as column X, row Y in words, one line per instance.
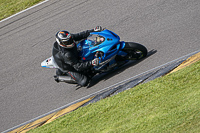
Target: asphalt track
column 169, row 29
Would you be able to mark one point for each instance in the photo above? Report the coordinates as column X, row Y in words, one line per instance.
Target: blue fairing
column 105, row 41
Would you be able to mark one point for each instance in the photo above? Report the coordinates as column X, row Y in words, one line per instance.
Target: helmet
column 64, row 39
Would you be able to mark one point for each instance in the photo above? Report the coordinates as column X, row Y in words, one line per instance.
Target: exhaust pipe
column 66, row 79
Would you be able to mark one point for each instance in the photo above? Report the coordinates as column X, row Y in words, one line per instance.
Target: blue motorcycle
column 112, row 52
column 106, row 46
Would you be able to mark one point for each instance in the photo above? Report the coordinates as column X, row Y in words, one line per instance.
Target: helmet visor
column 65, row 43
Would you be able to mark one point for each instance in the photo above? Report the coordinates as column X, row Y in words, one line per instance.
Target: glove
column 95, row 62
column 98, row 29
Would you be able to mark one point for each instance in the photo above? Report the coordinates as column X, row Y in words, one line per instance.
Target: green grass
column 167, row 104
column 10, row 7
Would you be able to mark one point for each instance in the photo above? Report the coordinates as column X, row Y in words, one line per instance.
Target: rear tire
column 135, row 51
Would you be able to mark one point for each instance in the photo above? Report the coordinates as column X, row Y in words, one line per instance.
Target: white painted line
column 23, row 11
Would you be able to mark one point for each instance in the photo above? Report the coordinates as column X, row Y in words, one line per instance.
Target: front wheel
column 135, row 51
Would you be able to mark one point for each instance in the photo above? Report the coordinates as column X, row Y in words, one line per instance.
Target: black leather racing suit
column 68, row 60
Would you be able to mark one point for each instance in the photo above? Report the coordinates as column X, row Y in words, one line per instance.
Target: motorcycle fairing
column 49, row 63
column 110, row 45
column 105, row 42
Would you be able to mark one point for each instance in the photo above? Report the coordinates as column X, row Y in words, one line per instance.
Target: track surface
column 172, row 28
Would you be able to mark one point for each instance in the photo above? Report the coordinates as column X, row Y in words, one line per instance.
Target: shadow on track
column 104, row 76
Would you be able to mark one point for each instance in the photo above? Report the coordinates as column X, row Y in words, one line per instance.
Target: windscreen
column 95, row 40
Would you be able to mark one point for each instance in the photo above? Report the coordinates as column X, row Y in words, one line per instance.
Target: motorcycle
column 106, row 46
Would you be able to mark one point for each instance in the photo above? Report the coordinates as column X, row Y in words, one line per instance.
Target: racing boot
column 60, row 73
column 66, row 79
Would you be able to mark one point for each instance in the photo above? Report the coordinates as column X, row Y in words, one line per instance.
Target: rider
column 65, row 53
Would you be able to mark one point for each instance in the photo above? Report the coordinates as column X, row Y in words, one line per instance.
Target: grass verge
column 167, row 104
column 10, row 7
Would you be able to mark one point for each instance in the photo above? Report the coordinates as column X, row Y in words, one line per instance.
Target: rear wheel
column 135, row 51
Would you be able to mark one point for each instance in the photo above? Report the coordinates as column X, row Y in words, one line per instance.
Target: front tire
column 135, row 51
